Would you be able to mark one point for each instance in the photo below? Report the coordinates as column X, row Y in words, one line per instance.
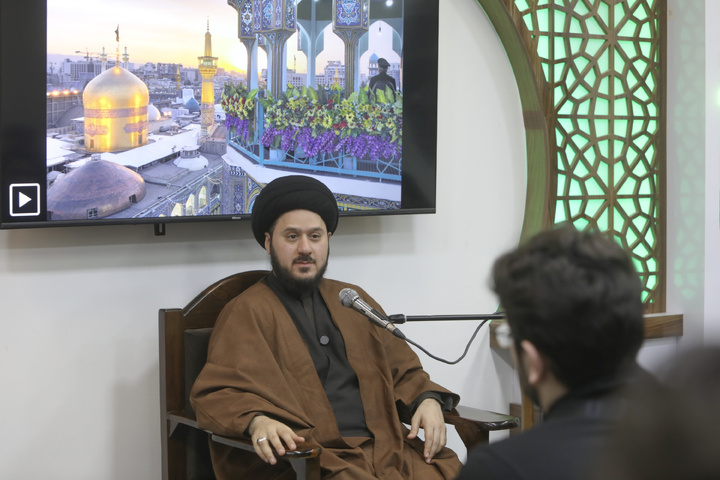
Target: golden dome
column 116, row 88
column 116, row 111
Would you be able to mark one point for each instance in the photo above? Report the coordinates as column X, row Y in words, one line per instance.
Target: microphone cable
column 467, row 347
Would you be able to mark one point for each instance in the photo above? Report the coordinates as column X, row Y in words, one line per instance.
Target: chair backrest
column 184, row 334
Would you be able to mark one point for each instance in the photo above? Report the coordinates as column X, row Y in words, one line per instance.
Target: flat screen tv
column 165, row 111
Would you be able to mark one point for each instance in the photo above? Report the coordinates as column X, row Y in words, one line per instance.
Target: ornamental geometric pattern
column 602, row 64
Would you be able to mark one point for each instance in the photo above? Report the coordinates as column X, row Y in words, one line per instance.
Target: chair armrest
column 473, row 425
column 245, row 444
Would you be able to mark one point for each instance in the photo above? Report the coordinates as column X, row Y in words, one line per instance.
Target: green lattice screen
column 600, row 60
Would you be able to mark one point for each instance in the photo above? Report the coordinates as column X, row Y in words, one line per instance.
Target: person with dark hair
column 669, row 431
column 289, row 364
column 573, row 306
column 382, row 80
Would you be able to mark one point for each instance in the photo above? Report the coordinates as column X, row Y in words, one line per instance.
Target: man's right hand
column 267, row 434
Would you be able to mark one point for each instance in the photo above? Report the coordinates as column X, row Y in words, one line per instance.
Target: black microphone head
column 348, row 296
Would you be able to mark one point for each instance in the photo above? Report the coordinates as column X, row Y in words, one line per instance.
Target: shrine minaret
column 208, row 69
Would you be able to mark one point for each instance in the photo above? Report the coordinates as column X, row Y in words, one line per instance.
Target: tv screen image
column 184, row 112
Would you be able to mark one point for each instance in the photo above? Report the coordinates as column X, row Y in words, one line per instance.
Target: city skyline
column 173, row 31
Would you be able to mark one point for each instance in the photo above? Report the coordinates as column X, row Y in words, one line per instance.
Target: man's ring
column 262, row 439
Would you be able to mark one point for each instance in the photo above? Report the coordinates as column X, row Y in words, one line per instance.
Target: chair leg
column 306, row 468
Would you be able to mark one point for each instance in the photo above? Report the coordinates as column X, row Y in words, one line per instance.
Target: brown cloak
column 258, row 363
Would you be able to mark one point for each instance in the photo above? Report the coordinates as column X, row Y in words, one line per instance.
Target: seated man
column 573, row 304
column 288, row 364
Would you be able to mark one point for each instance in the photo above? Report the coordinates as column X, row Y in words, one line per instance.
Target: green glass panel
column 652, row 264
column 627, row 187
column 631, row 81
column 645, row 32
column 575, row 188
column 641, row 251
column 618, row 86
column 559, row 45
column 644, row 204
column 569, row 75
column 561, row 185
column 619, row 147
column 590, row 77
column 629, row 235
column 620, row 106
column 601, row 127
column 644, row 296
column 575, row 207
column 560, row 212
column 652, row 109
column 645, row 50
column 640, row 170
column 581, row 63
column 593, row 187
column 580, row 170
column 637, row 126
column 542, row 3
column 628, row 29
column 528, row 19
column 629, row 47
column 576, row 28
column 652, row 282
column 619, row 13
column 604, row 60
column 650, row 152
column 581, row 223
column 604, row 88
column 642, row 95
column 620, row 127
column 593, row 207
column 584, row 107
column 594, row 46
column 602, row 221
column 583, row 125
column 602, row 107
column 640, row 64
column 640, row 223
column 619, row 63
column 543, row 48
column 580, row 9
column 602, row 172
column 559, row 94
column 521, row 5
column 603, row 12
column 603, row 146
column 593, row 27
column 543, row 17
column 638, row 109
column 650, row 82
column 618, row 172
column 645, row 187
column 559, row 19
column 566, row 124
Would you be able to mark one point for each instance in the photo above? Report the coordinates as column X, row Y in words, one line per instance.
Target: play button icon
column 24, row 199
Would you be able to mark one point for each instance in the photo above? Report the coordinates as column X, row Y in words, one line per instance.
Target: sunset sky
column 173, row 31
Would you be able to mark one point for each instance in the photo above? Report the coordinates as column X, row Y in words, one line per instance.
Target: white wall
column 78, row 349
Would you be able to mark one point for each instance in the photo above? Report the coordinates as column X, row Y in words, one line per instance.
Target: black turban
column 292, row 192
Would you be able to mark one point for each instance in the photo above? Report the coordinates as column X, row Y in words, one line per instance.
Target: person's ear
column 267, row 242
column 536, row 365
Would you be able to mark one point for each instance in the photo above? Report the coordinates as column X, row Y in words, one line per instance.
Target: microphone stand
column 400, row 318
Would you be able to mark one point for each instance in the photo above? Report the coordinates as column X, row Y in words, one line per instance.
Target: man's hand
column 267, row 434
column 429, row 416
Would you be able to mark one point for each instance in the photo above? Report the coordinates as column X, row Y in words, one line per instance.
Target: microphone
column 350, row 298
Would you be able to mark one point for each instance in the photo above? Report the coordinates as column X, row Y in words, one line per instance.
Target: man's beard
column 296, row 286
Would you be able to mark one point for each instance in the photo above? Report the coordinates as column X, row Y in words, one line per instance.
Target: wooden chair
column 184, row 336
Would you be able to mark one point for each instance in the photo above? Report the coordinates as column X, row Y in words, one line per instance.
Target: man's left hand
column 429, row 417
